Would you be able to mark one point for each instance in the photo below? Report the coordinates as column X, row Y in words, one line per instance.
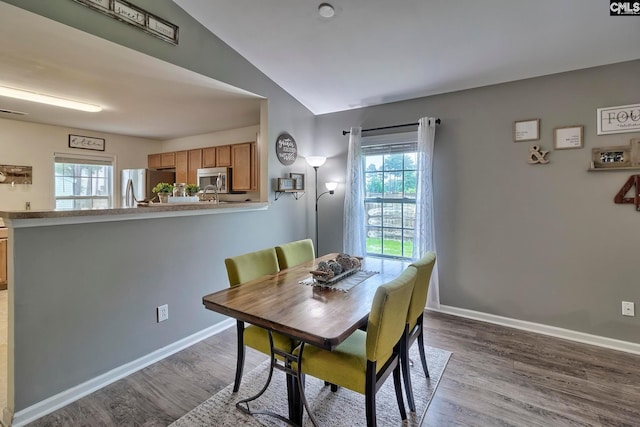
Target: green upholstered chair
column 294, row 253
column 415, row 320
column 364, row 360
column 241, row 269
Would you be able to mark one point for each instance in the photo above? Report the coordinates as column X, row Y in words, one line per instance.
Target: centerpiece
column 334, row 270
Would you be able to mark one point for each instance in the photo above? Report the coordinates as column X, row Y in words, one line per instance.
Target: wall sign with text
column 286, row 149
column 136, row 16
column 624, row 118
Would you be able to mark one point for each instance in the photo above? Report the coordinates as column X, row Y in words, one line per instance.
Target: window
column 83, row 182
column 390, row 197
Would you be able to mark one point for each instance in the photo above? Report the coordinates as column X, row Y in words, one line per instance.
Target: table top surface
column 322, row 317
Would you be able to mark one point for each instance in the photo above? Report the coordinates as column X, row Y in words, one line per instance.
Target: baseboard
column 59, row 400
column 610, row 343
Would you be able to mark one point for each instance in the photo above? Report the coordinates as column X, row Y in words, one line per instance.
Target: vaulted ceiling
column 377, row 51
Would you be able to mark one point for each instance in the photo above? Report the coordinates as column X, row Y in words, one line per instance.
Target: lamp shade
column 331, row 186
column 316, row 161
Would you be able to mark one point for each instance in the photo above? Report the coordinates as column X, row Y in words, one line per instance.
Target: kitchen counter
column 34, row 218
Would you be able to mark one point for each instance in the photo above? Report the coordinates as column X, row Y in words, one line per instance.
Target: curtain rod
column 346, row 132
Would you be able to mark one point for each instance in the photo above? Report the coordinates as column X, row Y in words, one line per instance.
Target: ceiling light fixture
column 47, row 99
column 326, row 10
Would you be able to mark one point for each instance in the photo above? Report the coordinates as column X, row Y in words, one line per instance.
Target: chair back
column 243, row 268
column 419, row 297
column 388, row 316
column 294, row 253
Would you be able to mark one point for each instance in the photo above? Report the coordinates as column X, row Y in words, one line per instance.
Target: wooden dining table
column 318, row 316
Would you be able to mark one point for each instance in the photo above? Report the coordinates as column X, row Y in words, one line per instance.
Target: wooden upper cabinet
column 223, row 156
column 209, row 157
column 168, row 160
column 244, row 167
column 161, row 161
column 194, row 163
column 154, row 161
column 182, row 166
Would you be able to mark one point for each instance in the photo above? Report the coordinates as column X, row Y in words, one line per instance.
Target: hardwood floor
column 497, row 376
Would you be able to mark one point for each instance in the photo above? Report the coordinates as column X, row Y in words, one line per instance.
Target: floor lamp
column 315, row 162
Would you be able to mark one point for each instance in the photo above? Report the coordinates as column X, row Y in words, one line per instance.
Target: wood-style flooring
column 497, row 376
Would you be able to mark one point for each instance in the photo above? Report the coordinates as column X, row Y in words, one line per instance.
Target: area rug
column 342, row 408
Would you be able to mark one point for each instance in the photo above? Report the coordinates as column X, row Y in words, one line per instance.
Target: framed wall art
column 567, row 137
column 298, row 181
column 86, row 142
column 526, row 130
column 624, row 118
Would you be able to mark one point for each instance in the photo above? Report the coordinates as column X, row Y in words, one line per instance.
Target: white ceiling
column 140, row 95
column 378, row 51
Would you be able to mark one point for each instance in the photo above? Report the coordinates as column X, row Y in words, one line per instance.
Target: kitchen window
column 390, row 194
column 83, row 182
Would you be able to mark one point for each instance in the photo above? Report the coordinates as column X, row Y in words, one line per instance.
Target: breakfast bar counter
column 35, row 218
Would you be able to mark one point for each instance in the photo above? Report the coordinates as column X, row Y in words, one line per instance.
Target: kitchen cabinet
column 209, row 157
column 244, row 167
column 161, row 160
column 182, row 166
column 194, row 163
column 154, row 161
column 223, row 156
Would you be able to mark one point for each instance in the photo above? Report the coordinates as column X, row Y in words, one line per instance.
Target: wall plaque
column 133, row 15
column 286, row 149
column 625, row 118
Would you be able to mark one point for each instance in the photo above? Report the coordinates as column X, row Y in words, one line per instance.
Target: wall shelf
column 296, row 193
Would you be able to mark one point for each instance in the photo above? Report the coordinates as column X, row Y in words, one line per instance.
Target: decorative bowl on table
column 336, row 269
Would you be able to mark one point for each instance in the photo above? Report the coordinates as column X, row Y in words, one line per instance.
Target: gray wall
column 541, row 243
column 82, row 310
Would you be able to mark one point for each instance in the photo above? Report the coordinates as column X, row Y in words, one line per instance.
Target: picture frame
column 86, row 142
column 286, row 184
column 568, row 137
column 526, row 130
column 620, row 119
column 298, row 179
column 611, row 157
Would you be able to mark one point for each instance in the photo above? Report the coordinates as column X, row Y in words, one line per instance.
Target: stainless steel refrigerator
column 143, row 181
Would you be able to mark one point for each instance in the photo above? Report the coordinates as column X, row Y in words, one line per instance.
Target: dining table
column 287, row 303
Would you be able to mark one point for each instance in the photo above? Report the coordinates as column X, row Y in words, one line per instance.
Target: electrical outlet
column 628, row 308
column 163, row 313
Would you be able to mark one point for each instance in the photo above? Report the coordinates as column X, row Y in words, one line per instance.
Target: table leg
column 296, row 407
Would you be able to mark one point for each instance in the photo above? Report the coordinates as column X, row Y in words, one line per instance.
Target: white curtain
column 425, row 238
column 354, row 240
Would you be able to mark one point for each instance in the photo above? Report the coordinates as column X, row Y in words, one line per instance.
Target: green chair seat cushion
column 294, row 253
column 258, row 338
column 346, row 365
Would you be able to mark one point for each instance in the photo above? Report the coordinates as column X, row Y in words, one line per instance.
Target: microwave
column 215, row 176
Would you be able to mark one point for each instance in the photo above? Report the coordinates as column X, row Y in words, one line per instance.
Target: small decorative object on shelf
column 537, row 156
column 616, row 157
column 298, row 179
column 286, row 184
